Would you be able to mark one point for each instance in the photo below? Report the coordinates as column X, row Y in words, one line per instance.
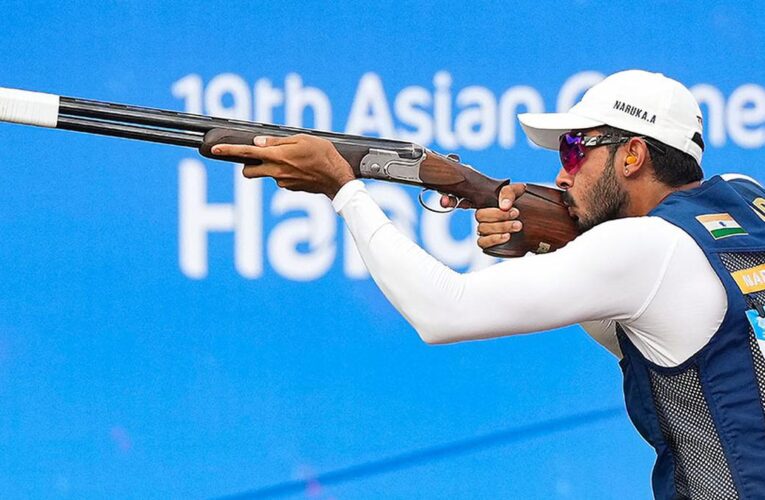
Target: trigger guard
column 435, row 211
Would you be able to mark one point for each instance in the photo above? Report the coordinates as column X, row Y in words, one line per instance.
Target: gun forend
column 366, row 160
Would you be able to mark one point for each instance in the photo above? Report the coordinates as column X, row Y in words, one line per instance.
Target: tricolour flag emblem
column 721, row 225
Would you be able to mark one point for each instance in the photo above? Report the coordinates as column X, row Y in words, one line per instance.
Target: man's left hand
column 299, row 163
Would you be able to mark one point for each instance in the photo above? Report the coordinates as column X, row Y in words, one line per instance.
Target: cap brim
column 545, row 129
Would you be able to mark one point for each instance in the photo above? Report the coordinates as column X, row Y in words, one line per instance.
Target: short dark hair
column 670, row 165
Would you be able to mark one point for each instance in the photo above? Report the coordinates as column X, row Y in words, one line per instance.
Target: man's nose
column 564, row 180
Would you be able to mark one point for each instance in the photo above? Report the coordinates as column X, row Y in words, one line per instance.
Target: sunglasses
column 572, row 148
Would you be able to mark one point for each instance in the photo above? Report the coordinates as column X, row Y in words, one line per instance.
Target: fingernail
column 504, row 203
column 506, row 236
column 516, row 225
column 514, row 212
column 259, row 140
column 216, row 150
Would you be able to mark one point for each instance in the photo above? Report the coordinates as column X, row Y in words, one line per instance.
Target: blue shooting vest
column 706, row 417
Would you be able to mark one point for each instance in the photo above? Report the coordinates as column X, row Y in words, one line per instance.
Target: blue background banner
column 170, row 330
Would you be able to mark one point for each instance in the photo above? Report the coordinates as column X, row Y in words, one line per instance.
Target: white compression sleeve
column 585, row 281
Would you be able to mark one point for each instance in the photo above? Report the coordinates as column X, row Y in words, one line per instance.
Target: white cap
column 644, row 103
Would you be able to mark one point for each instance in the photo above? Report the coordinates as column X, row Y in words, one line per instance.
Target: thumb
column 509, row 193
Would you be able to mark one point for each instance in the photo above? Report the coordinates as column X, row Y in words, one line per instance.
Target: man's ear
column 635, row 156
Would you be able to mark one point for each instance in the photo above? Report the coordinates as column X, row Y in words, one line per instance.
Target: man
column 669, row 275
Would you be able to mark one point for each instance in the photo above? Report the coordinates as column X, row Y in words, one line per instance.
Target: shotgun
column 547, row 224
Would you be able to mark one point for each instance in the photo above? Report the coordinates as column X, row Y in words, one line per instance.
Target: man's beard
column 605, row 201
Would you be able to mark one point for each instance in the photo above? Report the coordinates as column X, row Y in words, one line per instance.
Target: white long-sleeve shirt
column 643, row 272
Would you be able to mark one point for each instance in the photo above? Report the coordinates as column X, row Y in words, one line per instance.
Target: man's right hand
column 496, row 225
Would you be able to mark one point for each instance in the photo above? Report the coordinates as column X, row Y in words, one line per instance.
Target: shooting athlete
column 669, row 275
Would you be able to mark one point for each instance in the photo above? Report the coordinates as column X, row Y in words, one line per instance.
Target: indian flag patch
column 721, row 225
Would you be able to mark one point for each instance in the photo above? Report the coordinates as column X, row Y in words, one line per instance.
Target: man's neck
column 648, row 197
